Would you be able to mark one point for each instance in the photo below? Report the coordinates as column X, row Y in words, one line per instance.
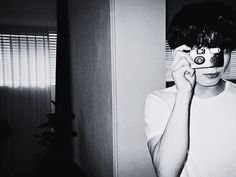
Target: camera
column 207, row 57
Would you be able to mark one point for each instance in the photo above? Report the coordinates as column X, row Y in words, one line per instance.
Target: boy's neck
column 207, row 92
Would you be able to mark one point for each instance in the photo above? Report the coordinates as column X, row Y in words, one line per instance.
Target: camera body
column 207, row 57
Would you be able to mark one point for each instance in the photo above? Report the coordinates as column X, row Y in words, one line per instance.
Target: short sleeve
column 156, row 114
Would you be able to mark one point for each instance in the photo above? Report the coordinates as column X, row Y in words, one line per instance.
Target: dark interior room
column 36, row 128
column 39, row 124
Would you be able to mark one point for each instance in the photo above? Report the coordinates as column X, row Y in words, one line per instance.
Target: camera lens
column 199, row 60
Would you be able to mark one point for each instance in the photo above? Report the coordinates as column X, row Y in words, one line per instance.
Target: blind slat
column 20, row 54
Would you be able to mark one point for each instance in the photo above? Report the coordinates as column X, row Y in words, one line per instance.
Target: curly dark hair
column 209, row 24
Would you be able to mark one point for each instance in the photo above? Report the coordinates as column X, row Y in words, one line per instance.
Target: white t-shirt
column 212, row 151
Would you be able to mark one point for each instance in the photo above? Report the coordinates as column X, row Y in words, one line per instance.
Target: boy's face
column 211, row 76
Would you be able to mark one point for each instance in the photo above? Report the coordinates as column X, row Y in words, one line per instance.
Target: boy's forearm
column 170, row 153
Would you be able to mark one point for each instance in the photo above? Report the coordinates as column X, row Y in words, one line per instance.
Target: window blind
column 27, row 60
column 230, row 73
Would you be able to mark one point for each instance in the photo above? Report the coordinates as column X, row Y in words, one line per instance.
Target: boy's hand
column 182, row 73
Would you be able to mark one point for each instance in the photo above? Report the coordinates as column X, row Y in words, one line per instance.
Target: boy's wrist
column 184, row 95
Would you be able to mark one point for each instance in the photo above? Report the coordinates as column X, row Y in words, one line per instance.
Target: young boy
column 191, row 126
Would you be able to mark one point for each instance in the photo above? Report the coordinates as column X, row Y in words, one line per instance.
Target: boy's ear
column 226, row 51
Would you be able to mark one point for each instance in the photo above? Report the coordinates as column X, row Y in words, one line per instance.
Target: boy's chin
column 209, row 83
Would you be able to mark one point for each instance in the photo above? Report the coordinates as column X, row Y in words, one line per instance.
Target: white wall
column 137, row 56
column 89, row 24
column 139, row 35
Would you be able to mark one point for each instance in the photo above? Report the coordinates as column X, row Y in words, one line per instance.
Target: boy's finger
column 181, row 48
